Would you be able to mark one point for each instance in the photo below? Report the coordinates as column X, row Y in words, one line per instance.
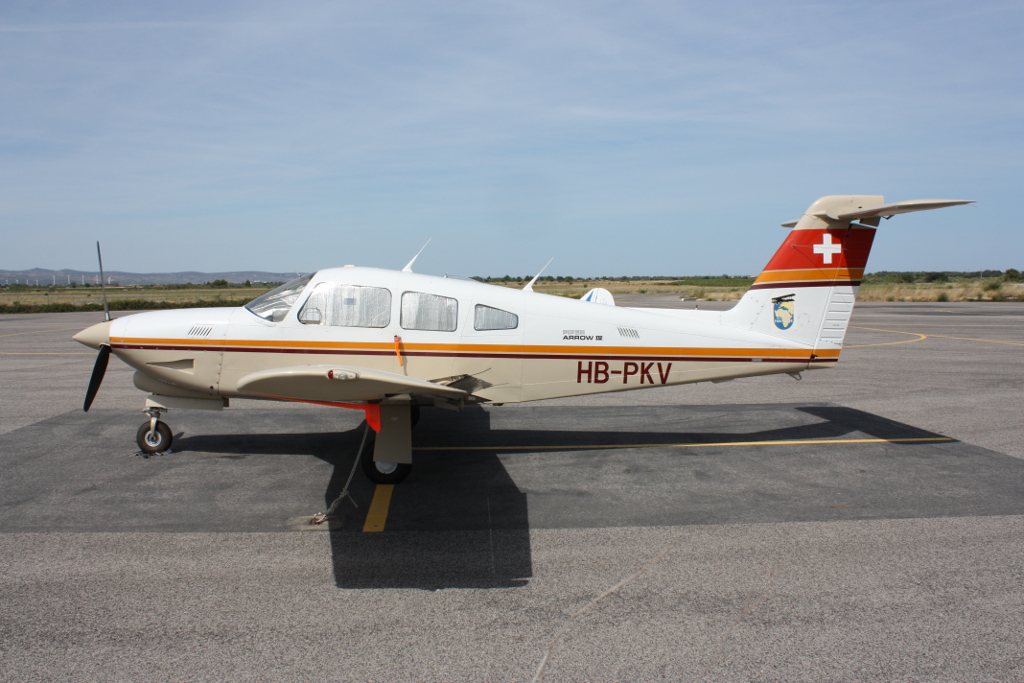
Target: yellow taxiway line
column 592, row 447
column 989, row 341
column 42, row 353
column 920, row 337
column 377, row 515
column 61, row 329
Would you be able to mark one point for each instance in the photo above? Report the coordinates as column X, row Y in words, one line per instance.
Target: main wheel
column 383, row 472
column 154, row 441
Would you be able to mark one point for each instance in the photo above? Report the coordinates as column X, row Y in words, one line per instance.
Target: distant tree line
column 216, row 284
column 910, row 277
column 709, row 280
column 881, row 277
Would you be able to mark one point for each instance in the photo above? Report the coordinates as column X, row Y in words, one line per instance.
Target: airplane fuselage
column 552, row 347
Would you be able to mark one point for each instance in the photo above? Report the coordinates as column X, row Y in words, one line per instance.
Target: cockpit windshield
column 275, row 304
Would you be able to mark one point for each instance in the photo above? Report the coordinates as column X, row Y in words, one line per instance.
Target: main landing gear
column 383, row 472
column 390, row 461
column 154, row 436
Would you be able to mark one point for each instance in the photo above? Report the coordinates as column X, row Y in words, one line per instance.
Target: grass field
column 982, row 289
column 51, row 299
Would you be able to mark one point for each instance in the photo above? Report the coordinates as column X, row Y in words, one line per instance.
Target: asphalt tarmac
column 864, row 523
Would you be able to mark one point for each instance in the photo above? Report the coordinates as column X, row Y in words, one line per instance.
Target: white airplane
column 387, row 342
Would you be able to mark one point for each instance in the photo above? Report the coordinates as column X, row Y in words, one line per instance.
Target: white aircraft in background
column 388, row 342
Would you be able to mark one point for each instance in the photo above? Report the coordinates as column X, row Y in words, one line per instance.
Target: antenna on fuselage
column 408, row 266
column 103, row 283
column 529, row 285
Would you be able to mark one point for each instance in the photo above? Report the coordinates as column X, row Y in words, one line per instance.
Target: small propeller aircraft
column 388, row 342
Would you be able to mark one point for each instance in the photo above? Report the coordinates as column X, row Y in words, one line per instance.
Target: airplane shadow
column 463, row 527
column 459, row 520
column 459, row 527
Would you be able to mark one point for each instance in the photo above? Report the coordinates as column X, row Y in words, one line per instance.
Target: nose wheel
column 153, row 436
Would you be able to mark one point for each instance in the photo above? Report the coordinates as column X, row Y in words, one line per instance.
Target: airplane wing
column 337, row 383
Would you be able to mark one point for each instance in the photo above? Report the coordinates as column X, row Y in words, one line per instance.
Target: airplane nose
column 95, row 336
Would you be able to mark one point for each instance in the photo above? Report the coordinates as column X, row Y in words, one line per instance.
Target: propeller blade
column 98, row 371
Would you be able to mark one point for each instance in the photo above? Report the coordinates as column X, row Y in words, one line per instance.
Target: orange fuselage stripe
column 810, row 275
column 456, row 349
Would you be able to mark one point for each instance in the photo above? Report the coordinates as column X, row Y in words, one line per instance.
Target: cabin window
column 275, row 304
column 334, row 303
column 487, row 318
column 422, row 311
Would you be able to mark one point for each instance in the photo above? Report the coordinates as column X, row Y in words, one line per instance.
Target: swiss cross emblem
column 827, row 248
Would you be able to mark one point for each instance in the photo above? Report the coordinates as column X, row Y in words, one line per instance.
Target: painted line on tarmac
column 988, row 341
column 377, row 515
column 920, row 337
column 591, row 447
column 41, row 353
column 61, row 329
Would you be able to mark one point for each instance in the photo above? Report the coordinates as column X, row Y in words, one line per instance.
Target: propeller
column 98, row 370
column 92, row 336
column 103, row 285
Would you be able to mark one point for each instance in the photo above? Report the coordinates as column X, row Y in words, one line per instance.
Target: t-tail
column 806, row 292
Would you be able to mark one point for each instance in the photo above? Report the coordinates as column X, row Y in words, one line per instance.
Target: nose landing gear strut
column 154, row 436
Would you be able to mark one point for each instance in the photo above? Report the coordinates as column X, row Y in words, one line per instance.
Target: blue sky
column 618, row 138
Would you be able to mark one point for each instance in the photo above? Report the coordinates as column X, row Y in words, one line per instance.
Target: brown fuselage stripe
column 449, row 354
column 483, row 350
column 819, row 283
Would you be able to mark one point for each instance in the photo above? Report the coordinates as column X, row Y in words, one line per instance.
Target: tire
column 155, row 442
column 383, row 472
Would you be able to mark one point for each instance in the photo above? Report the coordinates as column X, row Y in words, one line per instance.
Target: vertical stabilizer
column 806, row 293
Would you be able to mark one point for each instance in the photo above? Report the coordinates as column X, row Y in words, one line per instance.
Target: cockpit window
column 275, row 304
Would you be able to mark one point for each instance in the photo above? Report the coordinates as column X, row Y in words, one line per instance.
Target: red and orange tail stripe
column 818, row 258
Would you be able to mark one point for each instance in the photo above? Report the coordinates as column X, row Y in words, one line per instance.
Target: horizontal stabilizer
column 896, row 208
column 334, row 383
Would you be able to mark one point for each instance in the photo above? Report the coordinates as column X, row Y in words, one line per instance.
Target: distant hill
column 46, row 277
